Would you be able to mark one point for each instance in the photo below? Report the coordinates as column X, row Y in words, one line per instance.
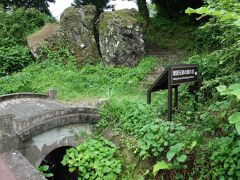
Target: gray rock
column 120, row 37
column 78, row 32
column 75, row 32
column 52, row 93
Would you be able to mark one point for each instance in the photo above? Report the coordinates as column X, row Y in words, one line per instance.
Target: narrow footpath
column 165, row 57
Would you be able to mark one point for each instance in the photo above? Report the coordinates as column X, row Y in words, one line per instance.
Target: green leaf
column 45, row 168
column 48, row 175
column 182, row 158
column 234, row 118
column 221, row 178
column 86, row 176
column 237, row 125
column 202, row 10
column 234, row 86
column 160, row 166
column 190, row 11
column 139, row 177
column 221, row 88
column 194, row 143
column 237, row 23
column 71, row 169
column 236, row 93
column 174, row 150
column 170, row 155
column 233, row 89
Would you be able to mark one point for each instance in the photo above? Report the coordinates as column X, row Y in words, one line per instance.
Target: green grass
column 75, row 83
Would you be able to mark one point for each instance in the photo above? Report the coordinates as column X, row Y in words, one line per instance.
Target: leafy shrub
column 223, row 28
column 94, row 159
column 44, row 171
column 13, row 59
column 233, row 89
column 225, row 158
column 222, row 65
column 15, row 26
column 128, row 114
column 208, row 65
column 155, row 137
column 163, row 138
column 206, row 38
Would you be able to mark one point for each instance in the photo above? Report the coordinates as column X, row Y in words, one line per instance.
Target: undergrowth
column 94, row 159
column 166, row 33
column 59, row 71
column 15, row 27
column 202, row 141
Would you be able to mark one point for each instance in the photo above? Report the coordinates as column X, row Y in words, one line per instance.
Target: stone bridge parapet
column 14, row 132
column 33, row 125
column 46, row 121
column 22, row 95
column 25, row 115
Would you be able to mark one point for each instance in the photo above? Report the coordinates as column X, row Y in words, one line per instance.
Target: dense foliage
column 94, row 159
column 198, row 144
column 41, row 5
column 168, row 141
column 175, row 8
column 15, row 26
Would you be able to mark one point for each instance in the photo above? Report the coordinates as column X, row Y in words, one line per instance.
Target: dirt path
column 164, row 57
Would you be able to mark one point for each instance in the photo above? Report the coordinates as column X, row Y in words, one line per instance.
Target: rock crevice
column 119, row 34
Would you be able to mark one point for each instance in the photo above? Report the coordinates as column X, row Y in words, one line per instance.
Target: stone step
column 166, row 56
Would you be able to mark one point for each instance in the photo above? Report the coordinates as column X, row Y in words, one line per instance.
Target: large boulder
column 75, row 32
column 77, row 25
column 47, row 36
column 120, row 38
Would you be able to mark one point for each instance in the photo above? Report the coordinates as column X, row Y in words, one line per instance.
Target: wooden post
column 176, row 97
column 169, row 95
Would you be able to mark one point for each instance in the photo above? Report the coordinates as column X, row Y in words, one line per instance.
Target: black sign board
column 171, row 78
column 184, row 74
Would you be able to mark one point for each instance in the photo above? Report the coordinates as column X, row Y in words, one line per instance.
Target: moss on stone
column 75, row 32
column 125, row 17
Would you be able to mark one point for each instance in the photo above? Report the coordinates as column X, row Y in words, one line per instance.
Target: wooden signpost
column 171, row 78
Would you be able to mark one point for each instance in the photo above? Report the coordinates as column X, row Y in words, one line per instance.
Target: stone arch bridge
column 32, row 126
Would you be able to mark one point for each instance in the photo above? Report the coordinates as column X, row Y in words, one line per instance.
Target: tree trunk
column 143, row 9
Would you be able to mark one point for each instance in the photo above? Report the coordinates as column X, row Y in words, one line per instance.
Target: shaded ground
column 164, row 57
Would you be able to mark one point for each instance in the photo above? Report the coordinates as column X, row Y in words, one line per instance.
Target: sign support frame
column 165, row 81
column 170, row 96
